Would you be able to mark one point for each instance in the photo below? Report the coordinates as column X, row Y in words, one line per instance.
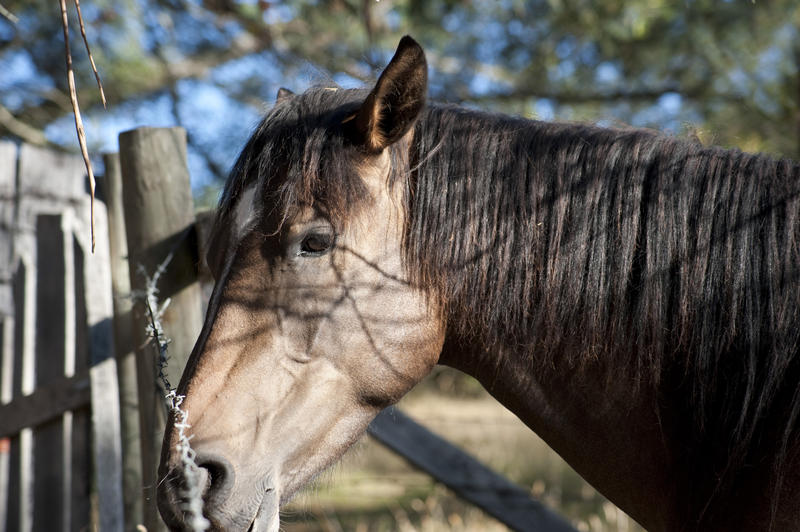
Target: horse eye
column 316, row 244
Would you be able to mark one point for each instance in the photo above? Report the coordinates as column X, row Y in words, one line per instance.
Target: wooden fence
column 80, row 426
column 59, row 419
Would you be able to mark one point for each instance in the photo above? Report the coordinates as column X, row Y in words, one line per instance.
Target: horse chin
column 267, row 517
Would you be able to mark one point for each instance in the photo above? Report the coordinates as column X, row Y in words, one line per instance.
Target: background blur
column 724, row 72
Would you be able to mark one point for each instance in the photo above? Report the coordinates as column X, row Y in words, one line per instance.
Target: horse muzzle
column 187, row 496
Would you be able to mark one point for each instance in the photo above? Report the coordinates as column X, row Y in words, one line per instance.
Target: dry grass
column 374, row 490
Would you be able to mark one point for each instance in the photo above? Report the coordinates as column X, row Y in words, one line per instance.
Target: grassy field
column 374, row 490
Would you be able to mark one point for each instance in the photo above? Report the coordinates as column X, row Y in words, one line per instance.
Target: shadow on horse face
column 311, row 331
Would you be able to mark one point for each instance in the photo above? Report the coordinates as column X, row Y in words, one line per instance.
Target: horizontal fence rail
column 464, row 474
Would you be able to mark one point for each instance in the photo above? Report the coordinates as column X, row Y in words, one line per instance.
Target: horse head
column 314, row 325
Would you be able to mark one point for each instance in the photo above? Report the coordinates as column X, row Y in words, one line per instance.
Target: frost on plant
column 191, row 494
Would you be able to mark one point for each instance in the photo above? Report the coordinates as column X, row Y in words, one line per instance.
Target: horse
column 634, row 298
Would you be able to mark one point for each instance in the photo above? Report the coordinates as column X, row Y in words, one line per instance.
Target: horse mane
column 671, row 263
column 676, row 265
column 300, row 156
column 293, row 146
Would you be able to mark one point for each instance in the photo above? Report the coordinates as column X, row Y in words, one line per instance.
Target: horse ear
column 283, row 94
column 394, row 104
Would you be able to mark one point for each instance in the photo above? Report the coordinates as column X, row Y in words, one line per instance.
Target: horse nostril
column 212, row 480
column 219, row 477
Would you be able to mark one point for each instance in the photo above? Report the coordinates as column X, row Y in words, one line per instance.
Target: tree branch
column 20, row 129
column 8, row 14
column 56, row 104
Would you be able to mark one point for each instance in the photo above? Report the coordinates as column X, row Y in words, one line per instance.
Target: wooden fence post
column 159, row 214
column 8, row 171
column 124, row 345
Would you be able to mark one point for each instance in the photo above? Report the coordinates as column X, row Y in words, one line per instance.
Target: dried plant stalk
column 73, row 96
column 89, row 53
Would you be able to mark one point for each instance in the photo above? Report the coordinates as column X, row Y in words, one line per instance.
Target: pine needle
column 73, row 96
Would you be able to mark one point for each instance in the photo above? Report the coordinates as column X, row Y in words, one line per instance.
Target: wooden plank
column 45, row 183
column 8, row 176
column 78, row 495
column 45, row 173
column 13, row 520
column 158, row 204
column 124, row 345
column 93, row 286
column 465, row 475
column 6, row 358
column 50, row 477
column 78, row 491
column 18, row 509
column 107, row 448
column 8, row 170
column 98, row 436
column 8, row 173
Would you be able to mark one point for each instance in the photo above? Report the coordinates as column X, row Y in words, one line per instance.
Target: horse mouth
column 266, row 518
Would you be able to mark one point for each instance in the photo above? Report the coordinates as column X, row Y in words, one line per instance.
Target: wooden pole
column 159, row 214
column 124, row 345
column 469, row 478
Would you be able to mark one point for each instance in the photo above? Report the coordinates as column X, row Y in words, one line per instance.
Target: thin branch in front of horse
column 73, row 97
column 191, row 495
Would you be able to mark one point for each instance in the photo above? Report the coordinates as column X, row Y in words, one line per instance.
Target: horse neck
column 535, row 237
column 477, row 236
column 504, row 217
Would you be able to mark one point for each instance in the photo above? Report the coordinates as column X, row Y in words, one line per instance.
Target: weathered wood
column 50, row 459
column 124, row 345
column 158, row 206
column 19, row 508
column 6, row 358
column 49, row 298
column 78, row 498
column 48, row 174
column 465, row 475
column 78, row 488
column 8, row 171
column 107, row 445
column 93, row 287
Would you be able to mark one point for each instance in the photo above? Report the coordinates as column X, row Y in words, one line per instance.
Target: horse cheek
column 403, row 348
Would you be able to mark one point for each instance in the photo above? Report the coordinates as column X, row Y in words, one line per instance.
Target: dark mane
column 675, row 265
column 672, row 263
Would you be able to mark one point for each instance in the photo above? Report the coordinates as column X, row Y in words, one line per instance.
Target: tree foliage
column 726, row 71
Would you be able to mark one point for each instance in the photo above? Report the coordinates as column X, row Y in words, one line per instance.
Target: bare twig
column 89, row 53
column 73, row 95
column 8, row 14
